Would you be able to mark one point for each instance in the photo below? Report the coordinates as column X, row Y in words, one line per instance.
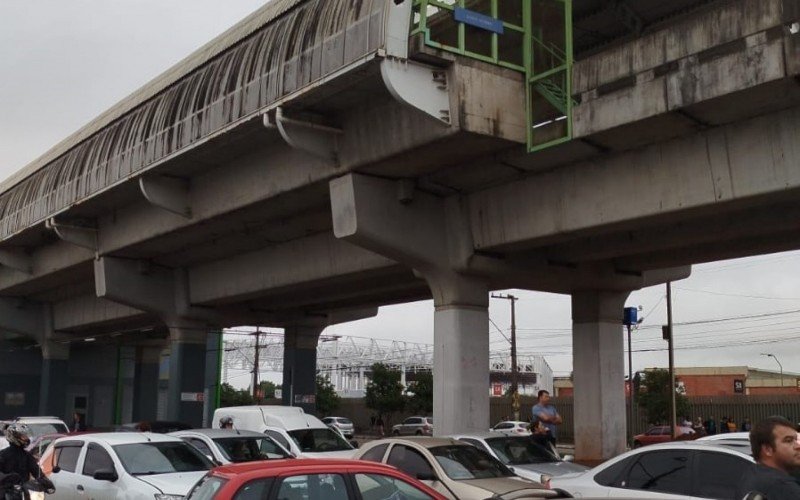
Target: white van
column 303, row 434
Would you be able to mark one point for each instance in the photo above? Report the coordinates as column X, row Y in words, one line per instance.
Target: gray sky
column 64, row 62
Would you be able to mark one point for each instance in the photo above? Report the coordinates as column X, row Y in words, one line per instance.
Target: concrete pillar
column 54, row 381
column 300, row 366
column 145, row 388
column 599, row 374
column 187, row 372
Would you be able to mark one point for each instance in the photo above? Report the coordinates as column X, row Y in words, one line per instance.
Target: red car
column 310, row 479
column 661, row 434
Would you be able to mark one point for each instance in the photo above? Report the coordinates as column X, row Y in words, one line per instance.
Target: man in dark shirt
column 14, row 459
column 776, row 449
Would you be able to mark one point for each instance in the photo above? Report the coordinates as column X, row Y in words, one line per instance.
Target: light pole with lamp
column 776, row 360
column 629, row 319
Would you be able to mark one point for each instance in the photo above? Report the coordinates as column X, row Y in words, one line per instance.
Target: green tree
column 421, row 399
column 229, row 396
column 327, row 399
column 385, row 392
column 654, row 397
column 267, row 389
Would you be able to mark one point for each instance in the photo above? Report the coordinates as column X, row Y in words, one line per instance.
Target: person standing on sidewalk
column 547, row 414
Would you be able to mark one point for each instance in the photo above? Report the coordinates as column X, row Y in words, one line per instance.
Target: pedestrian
column 78, row 424
column 732, row 427
column 699, row 428
column 372, row 422
column 746, row 425
column 226, row 422
column 776, row 450
column 379, row 424
column 547, row 414
column 711, row 426
column 144, row 426
column 723, row 425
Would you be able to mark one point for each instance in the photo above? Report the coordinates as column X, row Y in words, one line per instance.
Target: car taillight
column 545, row 480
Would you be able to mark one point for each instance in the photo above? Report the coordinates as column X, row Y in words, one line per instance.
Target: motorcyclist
column 15, row 459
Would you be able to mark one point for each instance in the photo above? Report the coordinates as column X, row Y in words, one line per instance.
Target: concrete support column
column 460, row 354
column 599, row 374
column 300, row 366
column 187, row 370
column 54, row 381
column 145, row 401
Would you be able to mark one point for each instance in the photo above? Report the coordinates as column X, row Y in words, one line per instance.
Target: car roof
column 485, row 435
column 218, row 433
column 39, row 420
column 275, row 467
column 116, row 438
column 726, row 435
column 427, row 442
column 685, row 445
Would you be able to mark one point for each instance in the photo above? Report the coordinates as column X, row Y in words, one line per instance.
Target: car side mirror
column 106, row 475
column 755, row 495
column 354, row 443
column 56, row 469
column 569, row 458
column 427, row 476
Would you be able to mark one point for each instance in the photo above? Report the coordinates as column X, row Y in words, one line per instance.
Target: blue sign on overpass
column 478, row 20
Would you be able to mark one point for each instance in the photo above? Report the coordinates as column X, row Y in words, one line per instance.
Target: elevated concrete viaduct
column 300, row 182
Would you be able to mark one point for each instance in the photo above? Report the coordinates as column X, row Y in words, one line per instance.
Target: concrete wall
column 93, row 375
column 21, row 375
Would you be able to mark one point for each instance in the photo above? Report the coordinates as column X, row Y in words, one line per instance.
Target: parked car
column 344, row 425
column 414, row 426
column 39, row 426
column 514, row 427
column 129, row 466
column 455, row 469
column 225, row 446
column 662, row 434
column 305, row 436
column 157, row 426
column 522, row 455
column 667, row 470
column 303, row 478
column 739, row 441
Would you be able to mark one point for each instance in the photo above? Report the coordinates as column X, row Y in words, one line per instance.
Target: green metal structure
column 533, row 37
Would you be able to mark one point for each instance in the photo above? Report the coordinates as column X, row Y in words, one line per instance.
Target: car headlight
column 162, row 496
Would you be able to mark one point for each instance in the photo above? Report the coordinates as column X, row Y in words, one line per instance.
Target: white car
column 513, row 427
column 342, row 424
column 739, row 441
column 681, row 469
column 225, row 446
column 39, row 426
column 124, row 465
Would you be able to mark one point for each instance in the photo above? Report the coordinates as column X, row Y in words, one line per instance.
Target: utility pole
column 629, row 319
column 257, row 334
column 514, row 370
column 670, row 346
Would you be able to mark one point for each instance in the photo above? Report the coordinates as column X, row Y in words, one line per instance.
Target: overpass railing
column 533, row 37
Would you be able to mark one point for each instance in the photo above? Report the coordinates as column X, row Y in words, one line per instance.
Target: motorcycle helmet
column 18, row 434
column 225, row 422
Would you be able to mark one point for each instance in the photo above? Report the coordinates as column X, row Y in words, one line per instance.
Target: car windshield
column 36, row 430
column 319, row 440
column 163, row 457
column 520, row 450
column 345, row 421
column 468, row 462
column 248, row 449
column 206, row 488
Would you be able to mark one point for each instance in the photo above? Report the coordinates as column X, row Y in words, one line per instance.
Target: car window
column 666, row 471
column 503, row 426
column 327, row 420
column 655, row 431
column 313, row 486
column 412, row 420
column 713, row 474
column 429, row 420
column 254, row 490
column 409, row 461
column 345, row 421
column 66, row 456
column 468, row 462
column 96, row 459
column 614, row 475
column 277, row 436
column 36, row 430
column 162, row 457
column 375, row 454
column 248, row 449
column 200, row 445
column 319, row 440
column 520, row 450
column 380, row 487
column 206, row 488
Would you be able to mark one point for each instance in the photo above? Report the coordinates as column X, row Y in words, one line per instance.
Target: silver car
column 523, row 455
column 453, row 468
column 225, row 446
column 414, row 426
column 342, row 424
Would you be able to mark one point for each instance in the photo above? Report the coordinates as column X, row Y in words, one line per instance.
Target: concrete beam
column 76, row 233
column 169, row 193
column 22, row 317
column 17, row 259
column 716, row 171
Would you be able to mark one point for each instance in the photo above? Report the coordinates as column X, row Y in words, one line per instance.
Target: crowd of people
column 710, row 427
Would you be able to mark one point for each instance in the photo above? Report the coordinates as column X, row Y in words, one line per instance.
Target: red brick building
column 717, row 381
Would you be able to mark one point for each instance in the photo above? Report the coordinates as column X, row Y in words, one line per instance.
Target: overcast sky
column 64, row 62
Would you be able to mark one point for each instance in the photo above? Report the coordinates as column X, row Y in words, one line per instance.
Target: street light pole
column 674, row 419
column 514, row 371
column 779, row 364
